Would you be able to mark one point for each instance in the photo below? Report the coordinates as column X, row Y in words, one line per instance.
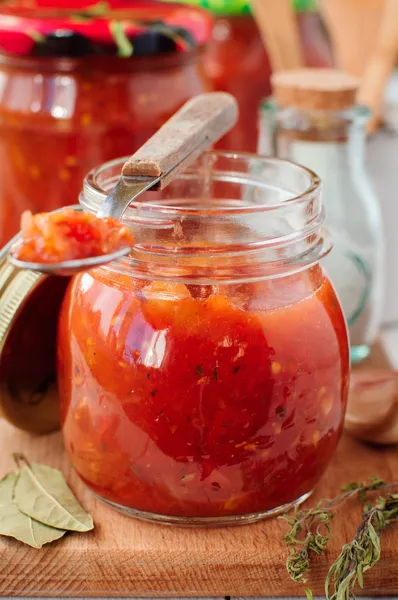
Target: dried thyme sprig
column 310, row 531
column 310, row 528
column 363, row 552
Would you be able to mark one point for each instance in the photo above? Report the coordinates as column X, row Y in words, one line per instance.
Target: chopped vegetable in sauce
column 68, row 235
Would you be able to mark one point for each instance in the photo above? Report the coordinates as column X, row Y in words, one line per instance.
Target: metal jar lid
column 29, row 309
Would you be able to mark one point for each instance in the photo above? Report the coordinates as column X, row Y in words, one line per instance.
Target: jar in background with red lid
column 82, row 82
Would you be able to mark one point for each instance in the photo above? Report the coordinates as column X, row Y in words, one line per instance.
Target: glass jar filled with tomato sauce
column 82, row 82
column 203, row 379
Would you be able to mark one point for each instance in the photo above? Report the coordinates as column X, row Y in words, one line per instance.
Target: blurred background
column 85, row 81
column 343, row 34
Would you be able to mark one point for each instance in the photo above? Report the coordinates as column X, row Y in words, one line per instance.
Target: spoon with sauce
column 67, row 241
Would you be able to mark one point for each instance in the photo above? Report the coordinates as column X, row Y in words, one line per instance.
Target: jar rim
column 97, row 193
column 228, row 216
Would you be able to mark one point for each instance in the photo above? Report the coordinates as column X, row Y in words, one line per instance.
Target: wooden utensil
column 353, row 27
column 278, row 28
column 381, row 64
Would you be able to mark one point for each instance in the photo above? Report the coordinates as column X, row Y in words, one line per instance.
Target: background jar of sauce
column 81, row 84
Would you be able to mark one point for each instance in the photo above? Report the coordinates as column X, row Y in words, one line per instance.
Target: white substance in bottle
column 355, row 264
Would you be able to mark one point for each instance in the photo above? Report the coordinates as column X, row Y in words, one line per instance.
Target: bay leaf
column 42, row 493
column 13, row 523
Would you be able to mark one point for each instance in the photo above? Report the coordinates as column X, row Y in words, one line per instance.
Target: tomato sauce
column 202, row 401
column 67, row 235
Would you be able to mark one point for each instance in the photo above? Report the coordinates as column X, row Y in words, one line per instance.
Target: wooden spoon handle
column 381, row 62
column 352, row 26
column 196, row 126
column 277, row 24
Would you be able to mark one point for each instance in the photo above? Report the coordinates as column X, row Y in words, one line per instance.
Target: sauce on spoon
column 56, row 237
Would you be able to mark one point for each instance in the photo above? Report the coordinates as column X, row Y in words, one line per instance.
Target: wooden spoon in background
column 381, row 64
column 277, row 24
column 353, row 26
column 372, row 409
column 364, row 34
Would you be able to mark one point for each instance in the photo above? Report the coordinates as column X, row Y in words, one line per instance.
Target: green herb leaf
column 98, row 10
column 309, row 594
column 125, row 47
column 356, row 557
column 35, row 35
column 19, row 526
column 177, row 38
column 353, row 485
column 310, row 533
column 42, row 493
column 101, row 9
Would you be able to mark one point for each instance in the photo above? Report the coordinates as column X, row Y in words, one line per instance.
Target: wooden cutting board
column 125, row 557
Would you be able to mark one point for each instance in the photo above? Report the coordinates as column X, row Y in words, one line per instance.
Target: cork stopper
column 315, row 89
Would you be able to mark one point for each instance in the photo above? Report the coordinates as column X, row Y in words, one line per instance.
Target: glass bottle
column 314, row 121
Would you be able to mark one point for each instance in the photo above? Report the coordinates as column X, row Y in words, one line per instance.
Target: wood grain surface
column 201, row 122
column 125, row 557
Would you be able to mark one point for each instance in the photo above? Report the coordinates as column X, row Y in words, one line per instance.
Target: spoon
column 194, row 128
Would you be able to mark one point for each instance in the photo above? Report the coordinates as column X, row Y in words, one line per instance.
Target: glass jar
column 203, row 379
column 236, row 56
column 330, row 139
column 68, row 103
